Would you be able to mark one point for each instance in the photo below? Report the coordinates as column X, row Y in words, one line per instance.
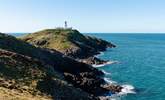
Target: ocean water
column 140, row 63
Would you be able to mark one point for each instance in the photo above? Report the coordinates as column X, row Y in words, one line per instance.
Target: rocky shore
column 93, row 61
column 63, row 55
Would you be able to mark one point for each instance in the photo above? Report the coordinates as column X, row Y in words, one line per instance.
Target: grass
column 24, row 77
column 58, row 39
column 61, row 39
column 7, row 94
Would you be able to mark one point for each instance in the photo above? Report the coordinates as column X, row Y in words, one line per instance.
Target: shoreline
column 60, row 66
column 126, row 89
column 76, row 60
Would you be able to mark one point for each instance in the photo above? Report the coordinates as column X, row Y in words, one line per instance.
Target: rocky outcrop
column 92, row 84
column 71, row 43
column 90, row 47
column 93, row 61
column 86, row 81
column 112, row 88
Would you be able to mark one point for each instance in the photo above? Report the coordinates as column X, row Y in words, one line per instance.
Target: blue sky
column 124, row 16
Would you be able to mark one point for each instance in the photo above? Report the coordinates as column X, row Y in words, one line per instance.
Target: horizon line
column 101, row 32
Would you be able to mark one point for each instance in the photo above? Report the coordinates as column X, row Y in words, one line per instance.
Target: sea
column 137, row 64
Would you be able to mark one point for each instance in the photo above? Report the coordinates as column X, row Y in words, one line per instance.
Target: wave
column 107, row 73
column 127, row 89
column 107, row 63
column 109, row 81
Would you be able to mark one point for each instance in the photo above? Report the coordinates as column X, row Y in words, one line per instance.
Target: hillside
column 31, row 71
column 68, row 41
column 23, row 77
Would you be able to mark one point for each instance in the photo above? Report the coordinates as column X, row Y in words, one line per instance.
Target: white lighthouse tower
column 66, row 24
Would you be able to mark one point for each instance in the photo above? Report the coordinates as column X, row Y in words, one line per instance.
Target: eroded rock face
column 87, row 82
column 112, row 88
column 93, row 61
column 87, row 48
column 91, row 83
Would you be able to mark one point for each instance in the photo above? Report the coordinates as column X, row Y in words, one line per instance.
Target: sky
column 105, row 16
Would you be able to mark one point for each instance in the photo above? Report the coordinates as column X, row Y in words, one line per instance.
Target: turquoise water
column 141, row 60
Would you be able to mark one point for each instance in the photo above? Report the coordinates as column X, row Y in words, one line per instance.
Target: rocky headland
column 49, row 64
column 71, row 43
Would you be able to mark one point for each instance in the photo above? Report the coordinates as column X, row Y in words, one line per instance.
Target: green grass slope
column 68, row 41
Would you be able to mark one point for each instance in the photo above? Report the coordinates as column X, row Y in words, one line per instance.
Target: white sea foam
column 127, row 89
column 107, row 63
column 107, row 73
column 109, row 81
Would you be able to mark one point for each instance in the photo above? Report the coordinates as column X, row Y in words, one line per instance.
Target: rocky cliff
column 70, row 42
column 39, row 70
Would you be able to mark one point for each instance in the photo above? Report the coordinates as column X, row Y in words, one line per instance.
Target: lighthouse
column 66, row 24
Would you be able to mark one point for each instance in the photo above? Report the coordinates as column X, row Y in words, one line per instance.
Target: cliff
column 69, row 42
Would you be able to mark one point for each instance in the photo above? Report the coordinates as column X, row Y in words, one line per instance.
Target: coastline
column 80, row 55
column 124, row 89
column 75, row 63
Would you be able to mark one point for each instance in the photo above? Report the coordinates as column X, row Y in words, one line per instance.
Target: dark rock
column 86, row 82
column 93, row 61
column 112, row 88
column 43, row 42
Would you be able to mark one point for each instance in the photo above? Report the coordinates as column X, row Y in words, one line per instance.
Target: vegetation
column 23, row 76
column 30, row 70
column 51, row 38
column 67, row 41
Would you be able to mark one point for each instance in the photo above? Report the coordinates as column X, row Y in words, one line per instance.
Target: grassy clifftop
column 58, row 39
column 68, row 41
